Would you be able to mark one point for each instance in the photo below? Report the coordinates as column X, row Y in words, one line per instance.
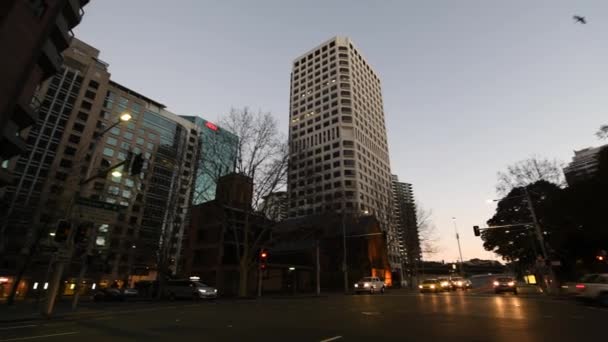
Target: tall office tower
column 338, row 148
column 407, row 228
column 79, row 134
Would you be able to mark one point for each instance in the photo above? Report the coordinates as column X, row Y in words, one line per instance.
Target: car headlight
column 496, row 283
column 459, row 283
column 356, row 285
column 432, row 286
column 444, row 283
column 202, row 291
column 420, row 286
column 215, row 290
column 366, row 285
column 511, row 283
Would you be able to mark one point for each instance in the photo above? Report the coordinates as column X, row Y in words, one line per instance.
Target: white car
column 189, row 289
column 370, row 284
column 593, row 287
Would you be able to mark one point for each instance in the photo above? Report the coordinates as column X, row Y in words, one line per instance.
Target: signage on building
column 211, row 126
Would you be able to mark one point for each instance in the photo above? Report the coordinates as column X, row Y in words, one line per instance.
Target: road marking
column 19, row 327
column 370, row 313
column 331, row 339
column 41, row 336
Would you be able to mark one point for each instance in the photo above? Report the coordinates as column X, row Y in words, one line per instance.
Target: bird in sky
column 579, row 19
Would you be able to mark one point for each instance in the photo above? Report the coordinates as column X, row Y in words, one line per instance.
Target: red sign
column 211, row 126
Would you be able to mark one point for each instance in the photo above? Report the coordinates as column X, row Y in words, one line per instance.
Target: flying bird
column 579, row 19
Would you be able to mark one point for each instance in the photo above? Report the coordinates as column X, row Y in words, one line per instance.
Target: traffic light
column 137, row 164
column 62, row 233
column 82, row 233
column 263, row 259
column 476, row 231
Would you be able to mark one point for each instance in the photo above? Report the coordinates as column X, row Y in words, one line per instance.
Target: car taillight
column 580, row 286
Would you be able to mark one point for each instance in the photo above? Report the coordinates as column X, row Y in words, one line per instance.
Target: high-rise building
column 407, row 224
column 217, row 152
column 32, row 35
column 78, row 136
column 275, row 205
column 584, row 164
column 337, row 138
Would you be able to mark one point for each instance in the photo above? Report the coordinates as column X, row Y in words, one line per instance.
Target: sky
column 469, row 87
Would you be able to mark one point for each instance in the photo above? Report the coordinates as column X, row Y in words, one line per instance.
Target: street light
column 116, row 174
column 125, row 117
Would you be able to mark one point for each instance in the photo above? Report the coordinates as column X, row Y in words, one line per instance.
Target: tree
column 427, row 232
column 529, row 171
column 262, row 155
column 602, row 133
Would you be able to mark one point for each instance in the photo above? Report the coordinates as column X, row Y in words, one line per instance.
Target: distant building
column 217, row 153
column 275, row 205
column 405, row 211
column 32, row 35
column 584, row 164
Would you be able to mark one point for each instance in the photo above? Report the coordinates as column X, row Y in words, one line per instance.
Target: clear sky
column 469, row 86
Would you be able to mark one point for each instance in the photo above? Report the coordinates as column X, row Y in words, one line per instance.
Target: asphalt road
column 394, row 316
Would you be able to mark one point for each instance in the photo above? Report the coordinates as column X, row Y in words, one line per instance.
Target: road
column 394, row 316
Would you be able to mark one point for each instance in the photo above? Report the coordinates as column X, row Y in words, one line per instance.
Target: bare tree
column 427, row 232
column 262, row 155
column 602, row 133
column 528, row 171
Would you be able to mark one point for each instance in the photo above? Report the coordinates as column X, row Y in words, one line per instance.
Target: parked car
column 189, row 289
column 130, row 292
column 460, row 283
column 593, row 287
column 430, row 285
column 505, row 284
column 108, row 295
column 370, row 284
column 446, row 284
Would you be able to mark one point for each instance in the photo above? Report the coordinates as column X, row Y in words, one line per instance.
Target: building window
column 108, row 152
column 140, row 141
column 115, row 131
column 111, row 141
column 128, row 135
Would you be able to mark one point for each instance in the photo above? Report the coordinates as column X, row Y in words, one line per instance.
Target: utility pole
column 541, row 238
column 459, row 249
column 344, row 264
column 318, row 270
column 92, row 234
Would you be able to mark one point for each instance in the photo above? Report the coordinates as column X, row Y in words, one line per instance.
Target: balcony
column 26, row 115
column 61, row 35
column 50, row 60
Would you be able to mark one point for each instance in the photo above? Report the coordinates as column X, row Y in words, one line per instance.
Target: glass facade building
column 217, row 155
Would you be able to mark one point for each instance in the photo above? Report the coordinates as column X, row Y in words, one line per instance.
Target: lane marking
column 370, row 313
column 41, row 336
column 331, row 339
column 19, row 327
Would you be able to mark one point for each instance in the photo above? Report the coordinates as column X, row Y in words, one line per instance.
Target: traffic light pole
column 84, row 264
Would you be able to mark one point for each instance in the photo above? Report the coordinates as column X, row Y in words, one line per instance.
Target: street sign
column 96, row 211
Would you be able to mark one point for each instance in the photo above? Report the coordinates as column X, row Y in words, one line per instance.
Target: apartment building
column 584, row 165
column 407, row 228
column 339, row 158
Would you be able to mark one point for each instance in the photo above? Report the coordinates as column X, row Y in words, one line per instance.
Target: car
column 593, row 287
column 189, row 289
column 446, row 284
column 370, row 284
column 460, row 283
column 108, row 295
column 430, row 285
column 130, row 292
column 505, row 284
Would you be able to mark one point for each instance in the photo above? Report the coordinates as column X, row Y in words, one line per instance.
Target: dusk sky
column 468, row 86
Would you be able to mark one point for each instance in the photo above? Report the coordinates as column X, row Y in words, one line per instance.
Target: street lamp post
column 459, row 249
column 69, row 248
